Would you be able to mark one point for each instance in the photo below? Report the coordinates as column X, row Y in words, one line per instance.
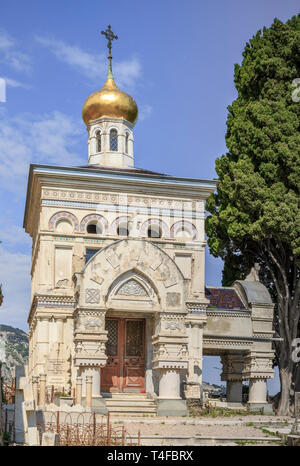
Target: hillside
column 13, row 349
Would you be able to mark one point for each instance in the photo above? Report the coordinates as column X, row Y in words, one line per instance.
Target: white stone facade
column 114, row 243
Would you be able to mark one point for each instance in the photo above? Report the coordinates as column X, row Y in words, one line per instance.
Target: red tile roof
column 223, row 298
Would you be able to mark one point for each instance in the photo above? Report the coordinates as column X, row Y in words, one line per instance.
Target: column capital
column 258, row 365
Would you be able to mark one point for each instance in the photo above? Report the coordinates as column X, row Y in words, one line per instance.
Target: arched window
column 126, row 143
column 113, row 139
column 122, row 229
column 64, row 226
column 94, row 228
column 154, row 231
column 183, row 232
column 98, row 141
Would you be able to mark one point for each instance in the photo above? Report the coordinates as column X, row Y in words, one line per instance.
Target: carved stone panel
column 131, row 287
column 92, row 296
column 173, row 299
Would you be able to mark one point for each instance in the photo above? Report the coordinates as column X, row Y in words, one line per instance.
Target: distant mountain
column 213, row 388
column 13, row 349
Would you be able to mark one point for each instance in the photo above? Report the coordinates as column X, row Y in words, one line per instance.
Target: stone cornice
column 227, row 313
column 207, row 336
column 51, row 301
column 130, row 181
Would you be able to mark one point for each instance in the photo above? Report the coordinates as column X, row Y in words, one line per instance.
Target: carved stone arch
column 155, row 221
column 117, row 221
column 88, row 218
column 95, row 131
column 144, row 286
column 140, row 257
column 63, row 215
column 184, row 223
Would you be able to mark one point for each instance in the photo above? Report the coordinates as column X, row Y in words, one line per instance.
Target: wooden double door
column 125, row 348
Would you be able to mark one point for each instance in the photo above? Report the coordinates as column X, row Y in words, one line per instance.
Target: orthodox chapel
column 120, row 311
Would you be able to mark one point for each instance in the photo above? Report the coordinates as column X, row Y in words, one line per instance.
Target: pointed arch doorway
column 125, row 368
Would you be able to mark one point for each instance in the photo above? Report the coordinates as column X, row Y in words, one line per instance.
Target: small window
column 123, row 230
column 113, row 139
column 154, row 231
column 183, row 232
column 126, row 143
column 94, row 228
column 90, row 253
column 98, row 141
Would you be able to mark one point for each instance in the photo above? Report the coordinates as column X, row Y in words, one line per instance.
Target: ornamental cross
column 110, row 37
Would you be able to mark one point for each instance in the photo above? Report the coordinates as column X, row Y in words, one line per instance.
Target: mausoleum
column 118, row 297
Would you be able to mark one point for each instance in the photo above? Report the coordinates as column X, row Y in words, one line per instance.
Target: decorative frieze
column 258, row 364
column 233, row 365
column 90, row 338
column 224, row 313
column 226, row 343
column 54, row 301
column 78, row 199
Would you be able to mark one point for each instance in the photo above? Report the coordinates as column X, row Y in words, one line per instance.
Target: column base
column 98, row 405
column 265, row 407
column 168, row 407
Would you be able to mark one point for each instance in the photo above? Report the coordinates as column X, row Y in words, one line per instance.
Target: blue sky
column 176, row 59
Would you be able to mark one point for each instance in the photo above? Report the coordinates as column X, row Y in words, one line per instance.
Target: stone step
column 126, row 396
column 138, row 403
column 133, row 410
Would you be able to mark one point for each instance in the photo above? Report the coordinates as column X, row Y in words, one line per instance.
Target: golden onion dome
column 109, row 101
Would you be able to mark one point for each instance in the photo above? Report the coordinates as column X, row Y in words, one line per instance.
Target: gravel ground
column 206, row 427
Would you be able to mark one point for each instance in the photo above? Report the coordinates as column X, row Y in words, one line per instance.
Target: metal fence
column 85, row 429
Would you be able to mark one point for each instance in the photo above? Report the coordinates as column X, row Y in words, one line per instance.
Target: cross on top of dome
column 110, row 36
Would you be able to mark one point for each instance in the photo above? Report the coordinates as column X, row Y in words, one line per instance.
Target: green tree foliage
column 255, row 215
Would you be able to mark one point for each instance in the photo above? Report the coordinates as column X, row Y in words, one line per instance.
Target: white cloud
column 144, row 112
column 15, row 279
column 93, row 66
column 11, row 55
column 12, row 235
column 25, row 139
column 13, row 83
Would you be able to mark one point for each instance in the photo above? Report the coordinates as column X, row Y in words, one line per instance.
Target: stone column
column 257, row 391
column 42, row 400
column 94, row 373
column 234, row 391
column 88, row 397
column 42, row 342
column 35, row 381
column 149, row 355
column 233, row 364
column 196, row 320
column 258, row 368
column 78, row 390
column 60, row 330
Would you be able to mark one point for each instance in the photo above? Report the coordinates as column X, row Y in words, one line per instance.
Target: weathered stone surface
column 50, row 439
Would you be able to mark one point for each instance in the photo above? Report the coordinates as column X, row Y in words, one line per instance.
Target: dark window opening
column 113, row 139
column 154, row 232
column 90, row 253
column 123, row 230
column 92, row 228
column 98, row 141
